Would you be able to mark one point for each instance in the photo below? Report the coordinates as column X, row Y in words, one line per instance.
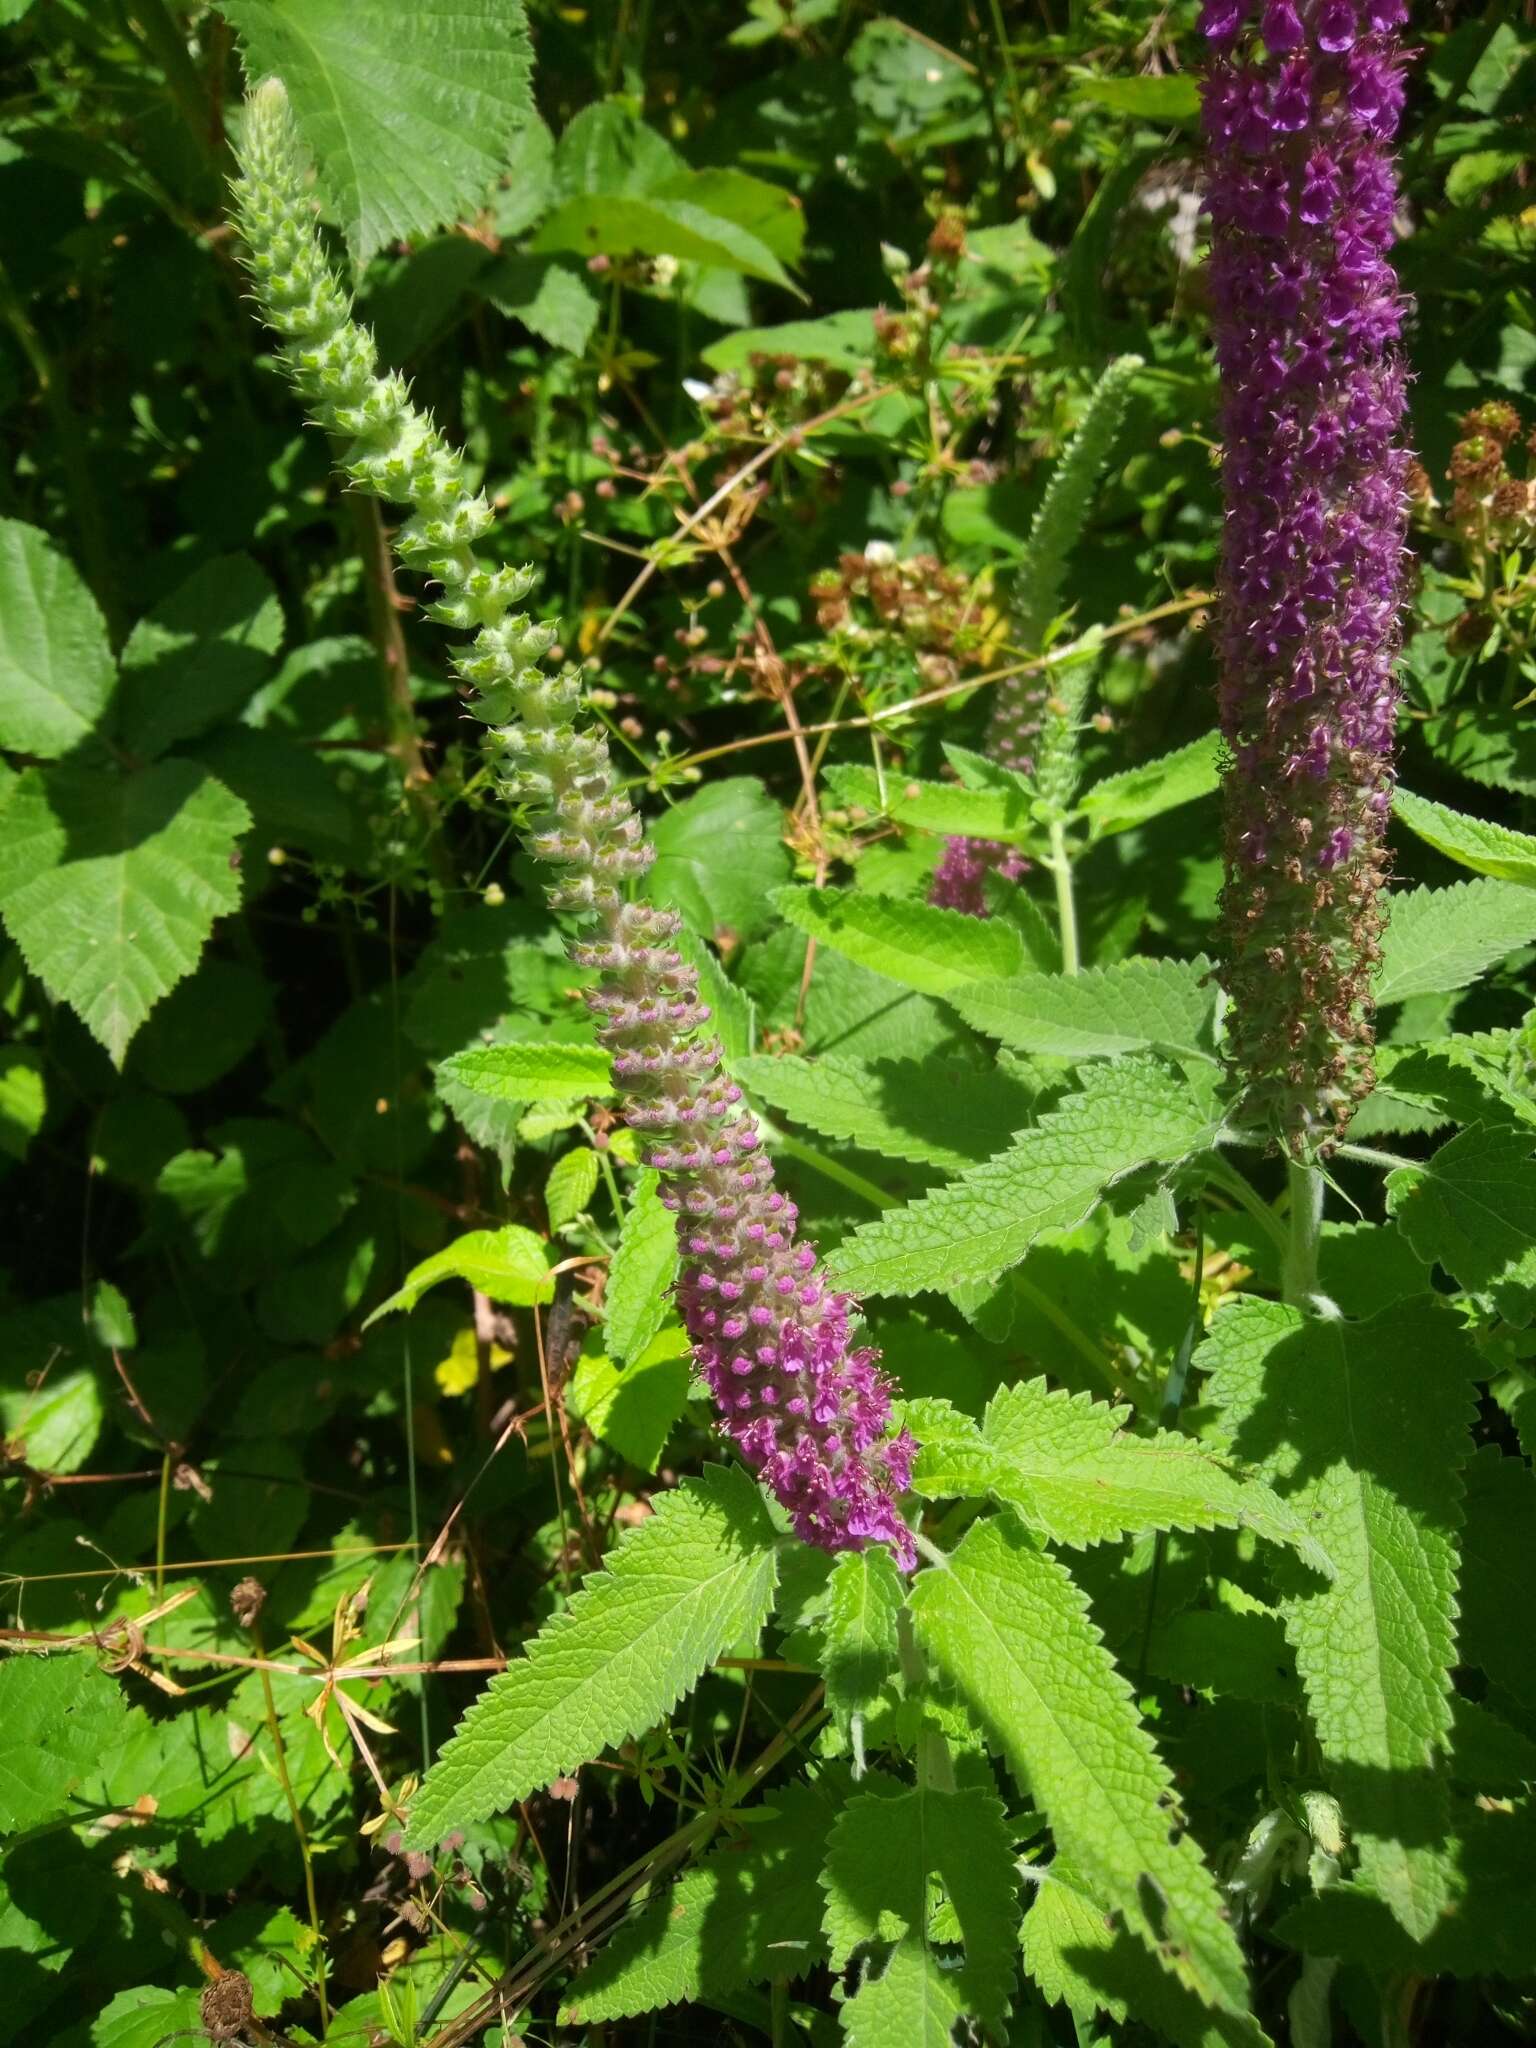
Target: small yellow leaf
column 458, row 1372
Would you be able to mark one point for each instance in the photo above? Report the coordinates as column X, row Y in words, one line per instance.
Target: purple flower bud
column 1300, row 108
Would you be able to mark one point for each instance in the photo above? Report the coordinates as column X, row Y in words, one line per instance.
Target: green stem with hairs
column 1299, row 1274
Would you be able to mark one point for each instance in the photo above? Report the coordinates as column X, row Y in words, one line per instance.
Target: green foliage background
column 336, row 1346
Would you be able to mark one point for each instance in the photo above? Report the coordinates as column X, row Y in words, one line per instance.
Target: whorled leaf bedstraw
column 1301, row 103
column 808, row 1408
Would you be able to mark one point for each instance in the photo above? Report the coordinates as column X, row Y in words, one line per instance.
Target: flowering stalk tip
column 1301, row 104
column 807, row 1408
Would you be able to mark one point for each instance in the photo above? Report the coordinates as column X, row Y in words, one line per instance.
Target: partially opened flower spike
column 805, row 1404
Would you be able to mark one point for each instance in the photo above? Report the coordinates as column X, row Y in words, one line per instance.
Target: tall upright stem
column 1299, row 1277
column 1066, row 900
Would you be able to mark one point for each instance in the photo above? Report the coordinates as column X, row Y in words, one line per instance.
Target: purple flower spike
column 1301, row 103
column 807, row 1407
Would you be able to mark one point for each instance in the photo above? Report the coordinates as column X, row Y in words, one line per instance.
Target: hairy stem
column 1299, row 1277
column 1066, row 898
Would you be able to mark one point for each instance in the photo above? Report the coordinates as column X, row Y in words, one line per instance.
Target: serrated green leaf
column 1472, row 1209
column 1364, row 1428
column 570, row 1187
column 1473, row 843
column 1067, row 1465
column 410, row 114
column 885, row 1846
column 1438, row 940
column 643, row 1270
column 531, row 1073
column 933, row 806
column 1007, row 1628
column 1498, row 1545
column 1081, row 1958
column 1133, row 1006
column 744, row 1914
column 860, row 1645
column 56, row 668
column 1452, row 1080
column 58, row 1716
column 912, row 2001
column 936, row 1111
column 1119, row 803
column 911, row 943
column 1128, row 1113
column 198, row 655
column 676, row 1593
column 509, row 1264
column 110, row 884
column 1238, row 1655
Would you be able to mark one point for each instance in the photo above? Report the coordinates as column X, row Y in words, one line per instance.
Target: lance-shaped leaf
column 1471, row 842
column 1128, row 1113
column 748, row 1912
column 1121, row 802
column 1363, row 1429
column 1008, row 1629
column 913, row 943
column 1437, row 940
column 887, row 1843
column 936, row 1111
column 677, row 1592
column 1072, row 1470
column 1080, row 1957
column 1129, row 1007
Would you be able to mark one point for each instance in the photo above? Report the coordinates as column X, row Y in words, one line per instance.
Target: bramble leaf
column 1008, row 1629
column 633, row 1407
column 110, row 884
column 56, row 668
column 1127, row 1114
column 1133, row 1006
column 1363, row 1428
column 677, row 1592
column 410, row 113
column 58, row 1716
column 198, row 655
